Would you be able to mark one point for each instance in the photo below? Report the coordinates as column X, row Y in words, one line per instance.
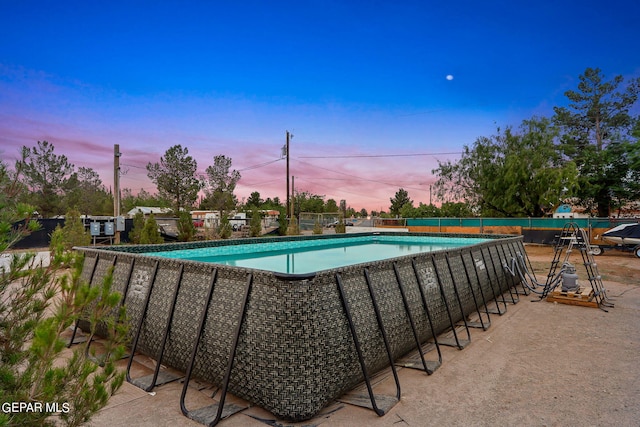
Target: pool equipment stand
column 572, row 236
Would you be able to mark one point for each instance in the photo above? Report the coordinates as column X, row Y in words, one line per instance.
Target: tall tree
column 597, row 135
column 331, row 206
column 514, row 173
column 45, row 174
column 175, row 177
column 254, row 200
column 220, row 185
column 308, row 202
column 401, row 198
column 85, row 192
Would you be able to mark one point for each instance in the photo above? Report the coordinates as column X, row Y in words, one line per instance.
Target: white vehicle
column 624, row 237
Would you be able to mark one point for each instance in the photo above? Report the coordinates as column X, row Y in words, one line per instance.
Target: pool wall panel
column 295, row 350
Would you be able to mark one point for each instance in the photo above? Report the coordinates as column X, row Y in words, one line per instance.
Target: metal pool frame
column 292, row 344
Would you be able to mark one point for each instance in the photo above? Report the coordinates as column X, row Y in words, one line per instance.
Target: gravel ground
column 540, row 364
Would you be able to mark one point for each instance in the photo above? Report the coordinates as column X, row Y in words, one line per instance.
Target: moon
column 449, row 77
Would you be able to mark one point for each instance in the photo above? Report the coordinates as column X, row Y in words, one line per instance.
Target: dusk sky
column 390, row 86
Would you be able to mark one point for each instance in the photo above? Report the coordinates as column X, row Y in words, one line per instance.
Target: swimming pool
column 294, row 342
column 309, row 256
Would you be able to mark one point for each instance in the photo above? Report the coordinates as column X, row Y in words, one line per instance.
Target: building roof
column 148, row 210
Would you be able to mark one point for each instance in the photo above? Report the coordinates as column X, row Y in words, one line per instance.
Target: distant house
column 568, row 211
column 148, row 210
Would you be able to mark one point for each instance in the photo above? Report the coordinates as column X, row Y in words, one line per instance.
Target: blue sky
column 347, row 78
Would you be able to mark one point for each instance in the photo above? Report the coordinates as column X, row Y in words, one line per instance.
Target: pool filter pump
column 569, row 279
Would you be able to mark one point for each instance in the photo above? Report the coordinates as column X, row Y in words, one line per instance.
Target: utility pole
column 293, row 199
column 287, row 155
column 116, row 187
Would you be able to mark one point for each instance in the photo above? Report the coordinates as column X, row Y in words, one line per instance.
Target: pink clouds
column 364, row 182
column 85, row 123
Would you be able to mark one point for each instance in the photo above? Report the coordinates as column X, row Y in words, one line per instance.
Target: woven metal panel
column 190, row 302
column 462, row 283
column 481, row 294
column 159, row 309
column 482, row 271
column 497, row 268
column 104, row 264
column 295, row 346
column 87, row 266
column 394, row 317
column 121, row 275
column 431, row 289
column 139, row 286
column 222, row 321
column 364, row 319
column 446, row 281
column 295, row 350
column 414, row 300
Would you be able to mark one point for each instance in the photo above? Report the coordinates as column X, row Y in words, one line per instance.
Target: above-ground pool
column 290, row 339
column 307, row 256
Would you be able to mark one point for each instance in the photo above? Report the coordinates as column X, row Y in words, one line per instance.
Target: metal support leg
column 75, row 327
column 425, row 306
column 477, row 274
column 202, row 415
column 143, row 315
column 345, row 304
column 429, row 366
column 481, row 322
column 456, row 342
column 496, row 294
column 88, row 346
column 144, row 382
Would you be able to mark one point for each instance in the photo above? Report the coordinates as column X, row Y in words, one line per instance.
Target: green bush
column 186, row 229
column 73, row 233
column 33, row 367
column 224, row 229
column 255, row 224
column 293, row 229
column 317, row 228
column 138, row 225
column 150, row 233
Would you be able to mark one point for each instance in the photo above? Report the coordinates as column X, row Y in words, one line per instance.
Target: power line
column 355, row 156
column 341, row 190
column 357, row 177
column 259, row 165
column 133, row 166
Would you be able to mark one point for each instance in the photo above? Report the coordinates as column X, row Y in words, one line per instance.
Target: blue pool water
column 308, row 256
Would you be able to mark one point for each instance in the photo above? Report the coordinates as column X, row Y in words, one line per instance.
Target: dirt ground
column 539, row 364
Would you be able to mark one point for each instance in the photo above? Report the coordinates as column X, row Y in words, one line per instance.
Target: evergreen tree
column 224, row 229
column 186, row 229
column 45, row 174
column 401, row 198
column 256, row 224
column 138, row 225
column 175, row 177
column 598, row 136
column 150, row 233
column 220, row 185
column 37, row 304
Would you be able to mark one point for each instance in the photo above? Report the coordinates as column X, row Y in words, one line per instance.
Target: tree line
column 587, row 154
column 50, row 183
